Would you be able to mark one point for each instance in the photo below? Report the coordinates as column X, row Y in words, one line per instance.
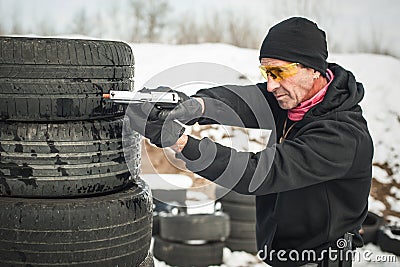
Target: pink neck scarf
column 297, row 113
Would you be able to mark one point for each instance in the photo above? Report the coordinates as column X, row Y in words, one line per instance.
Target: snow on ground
column 378, row 74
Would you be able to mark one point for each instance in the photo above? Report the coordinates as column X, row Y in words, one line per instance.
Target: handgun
column 162, row 100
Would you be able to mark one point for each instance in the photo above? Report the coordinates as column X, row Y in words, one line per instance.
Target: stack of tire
column 242, row 212
column 191, row 239
column 164, row 201
column 67, row 197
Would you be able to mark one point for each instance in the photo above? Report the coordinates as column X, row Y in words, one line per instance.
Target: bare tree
column 213, row 30
column 149, row 19
column 156, row 14
column 188, row 31
column 114, row 20
column 17, row 27
column 16, row 24
column 374, row 41
column 81, row 24
column 225, row 27
column 16, row 21
column 241, row 32
column 2, row 30
column 98, row 30
column 313, row 9
column 137, row 7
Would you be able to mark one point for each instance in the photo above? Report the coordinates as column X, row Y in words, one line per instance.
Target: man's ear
column 316, row 74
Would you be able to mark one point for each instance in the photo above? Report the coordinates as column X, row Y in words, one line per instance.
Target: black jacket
column 314, row 186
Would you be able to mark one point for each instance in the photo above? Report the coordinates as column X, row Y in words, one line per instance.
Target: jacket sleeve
column 320, row 153
column 248, row 106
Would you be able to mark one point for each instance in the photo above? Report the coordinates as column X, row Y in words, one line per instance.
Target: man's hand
column 188, row 110
column 161, row 133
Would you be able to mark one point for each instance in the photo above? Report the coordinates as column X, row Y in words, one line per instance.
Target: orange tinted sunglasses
column 278, row 73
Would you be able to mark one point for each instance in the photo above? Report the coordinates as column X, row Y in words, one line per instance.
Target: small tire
column 185, row 255
column 110, row 230
column 49, row 79
column 232, row 196
column 239, row 212
column 389, row 239
column 184, row 227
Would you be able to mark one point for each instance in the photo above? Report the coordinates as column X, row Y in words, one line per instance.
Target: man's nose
column 272, row 85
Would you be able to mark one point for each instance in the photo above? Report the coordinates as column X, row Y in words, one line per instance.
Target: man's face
column 290, row 91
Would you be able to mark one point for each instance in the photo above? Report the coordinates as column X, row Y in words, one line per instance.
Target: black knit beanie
column 297, row 40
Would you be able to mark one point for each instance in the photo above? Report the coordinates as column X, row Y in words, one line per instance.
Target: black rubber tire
column 185, row 255
column 47, row 79
column 186, row 227
column 232, row 196
column 239, row 212
column 247, row 245
column 239, row 198
column 64, row 159
column 389, row 243
column 370, row 228
column 110, row 230
column 242, row 229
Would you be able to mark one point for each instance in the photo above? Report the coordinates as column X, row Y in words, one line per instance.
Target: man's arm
column 323, row 153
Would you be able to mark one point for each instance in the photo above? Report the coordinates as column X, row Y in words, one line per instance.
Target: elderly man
column 312, row 184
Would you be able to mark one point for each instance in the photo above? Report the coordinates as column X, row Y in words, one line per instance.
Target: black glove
column 161, row 133
column 188, row 110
